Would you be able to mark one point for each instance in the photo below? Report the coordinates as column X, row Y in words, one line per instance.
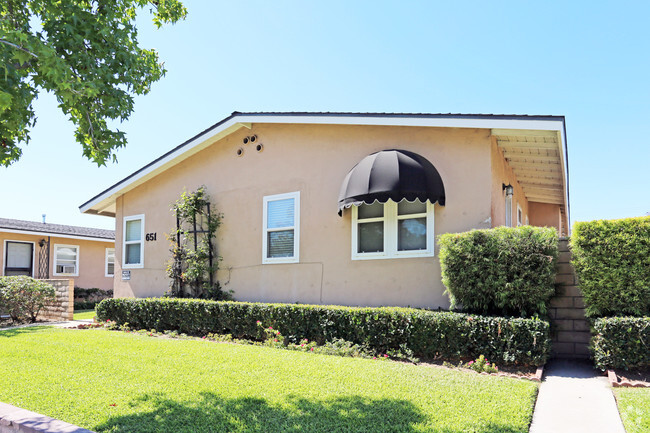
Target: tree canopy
column 86, row 53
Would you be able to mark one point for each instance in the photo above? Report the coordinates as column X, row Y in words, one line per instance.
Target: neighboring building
column 277, row 178
column 53, row 251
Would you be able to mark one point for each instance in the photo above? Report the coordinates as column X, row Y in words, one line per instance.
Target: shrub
column 422, row 333
column 621, row 342
column 24, row 297
column 612, row 262
column 501, row 271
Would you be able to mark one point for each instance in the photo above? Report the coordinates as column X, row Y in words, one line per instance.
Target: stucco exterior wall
column 546, row 215
column 92, row 255
column 502, row 174
column 314, row 160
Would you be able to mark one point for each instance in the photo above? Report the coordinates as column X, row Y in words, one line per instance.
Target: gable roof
column 59, row 230
column 509, row 125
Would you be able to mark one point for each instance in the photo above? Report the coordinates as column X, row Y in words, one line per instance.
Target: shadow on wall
column 214, row 414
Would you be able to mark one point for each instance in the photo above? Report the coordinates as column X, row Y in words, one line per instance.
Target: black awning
column 391, row 174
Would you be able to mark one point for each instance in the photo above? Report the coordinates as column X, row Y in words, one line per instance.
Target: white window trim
column 390, row 219
column 508, row 211
column 76, row 266
column 520, row 222
column 106, row 274
column 296, row 228
column 141, row 242
column 4, row 255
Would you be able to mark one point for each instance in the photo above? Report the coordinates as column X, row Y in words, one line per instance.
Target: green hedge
column 500, row 271
column 621, row 342
column 427, row 334
column 24, row 297
column 612, row 262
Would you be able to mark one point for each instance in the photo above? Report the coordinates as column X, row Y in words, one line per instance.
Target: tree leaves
column 86, row 53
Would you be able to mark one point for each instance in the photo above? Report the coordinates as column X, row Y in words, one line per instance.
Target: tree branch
column 18, row 47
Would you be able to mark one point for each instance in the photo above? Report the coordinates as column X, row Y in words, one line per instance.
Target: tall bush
column 621, row 342
column 500, row 271
column 612, row 262
column 425, row 334
column 24, row 297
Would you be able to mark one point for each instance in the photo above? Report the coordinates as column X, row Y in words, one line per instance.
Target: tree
column 86, row 53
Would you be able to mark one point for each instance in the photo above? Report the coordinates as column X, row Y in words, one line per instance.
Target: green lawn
column 634, row 406
column 111, row 381
column 84, row 314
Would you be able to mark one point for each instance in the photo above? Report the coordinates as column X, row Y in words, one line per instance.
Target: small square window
column 66, row 260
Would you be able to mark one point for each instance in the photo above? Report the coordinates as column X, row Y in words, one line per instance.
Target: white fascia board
column 202, row 141
column 57, row 235
column 440, row 122
column 199, row 143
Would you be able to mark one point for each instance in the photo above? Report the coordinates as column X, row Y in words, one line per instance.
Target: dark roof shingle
column 59, row 229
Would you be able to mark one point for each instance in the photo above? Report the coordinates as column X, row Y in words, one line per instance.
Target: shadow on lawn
column 12, row 332
column 215, row 414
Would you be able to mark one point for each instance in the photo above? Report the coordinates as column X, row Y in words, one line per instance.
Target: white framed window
column 110, row 262
column 508, row 210
column 66, row 260
column 133, row 242
column 527, row 221
column 520, row 216
column 392, row 230
column 281, row 234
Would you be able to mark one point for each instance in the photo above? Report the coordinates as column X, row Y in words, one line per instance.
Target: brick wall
column 63, row 306
column 570, row 328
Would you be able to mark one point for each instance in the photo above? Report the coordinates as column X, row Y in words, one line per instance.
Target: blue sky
column 588, row 61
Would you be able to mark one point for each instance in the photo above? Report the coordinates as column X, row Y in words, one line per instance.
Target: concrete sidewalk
column 575, row 398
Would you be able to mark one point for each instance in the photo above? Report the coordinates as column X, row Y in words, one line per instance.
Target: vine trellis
column 194, row 263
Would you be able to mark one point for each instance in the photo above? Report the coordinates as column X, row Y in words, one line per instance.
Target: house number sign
column 150, row 237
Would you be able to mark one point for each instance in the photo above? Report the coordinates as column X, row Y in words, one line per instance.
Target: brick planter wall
column 63, row 306
column 570, row 328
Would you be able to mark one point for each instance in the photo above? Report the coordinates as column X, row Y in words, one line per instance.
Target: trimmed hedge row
column 426, row 334
column 612, row 262
column 621, row 342
column 500, row 271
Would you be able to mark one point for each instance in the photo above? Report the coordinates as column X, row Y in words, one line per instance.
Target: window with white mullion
column 133, row 242
column 281, row 228
column 403, row 229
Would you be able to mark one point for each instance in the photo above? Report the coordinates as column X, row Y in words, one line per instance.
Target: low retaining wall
column 63, row 306
column 14, row 419
column 570, row 328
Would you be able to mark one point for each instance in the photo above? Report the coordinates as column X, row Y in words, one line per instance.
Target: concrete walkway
column 575, row 398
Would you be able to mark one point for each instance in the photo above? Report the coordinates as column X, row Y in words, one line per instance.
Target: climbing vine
column 193, row 263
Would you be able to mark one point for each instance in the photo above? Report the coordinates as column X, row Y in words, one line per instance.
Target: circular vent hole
column 245, row 140
column 240, row 151
column 253, row 138
column 259, row 147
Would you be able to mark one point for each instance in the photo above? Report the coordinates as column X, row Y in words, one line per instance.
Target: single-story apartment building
column 54, row 251
column 340, row 208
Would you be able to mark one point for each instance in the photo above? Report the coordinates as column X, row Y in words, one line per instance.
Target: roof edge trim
column 189, row 147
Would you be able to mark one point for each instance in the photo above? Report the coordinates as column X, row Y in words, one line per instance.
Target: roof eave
column 99, row 204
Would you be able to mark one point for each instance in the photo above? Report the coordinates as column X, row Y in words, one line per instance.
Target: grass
column 84, row 314
column 111, row 381
column 634, row 407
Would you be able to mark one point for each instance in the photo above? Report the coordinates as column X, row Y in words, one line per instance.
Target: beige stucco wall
column 545, row 215
column 312, row 159
column 91, row 258
column 502, row 174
